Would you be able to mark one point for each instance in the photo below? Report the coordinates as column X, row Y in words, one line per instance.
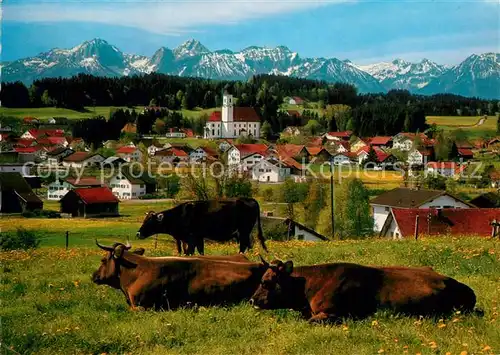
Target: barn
column 90, row 202
column 16, row 195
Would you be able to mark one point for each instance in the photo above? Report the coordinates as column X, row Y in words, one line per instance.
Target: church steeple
column 227, row 107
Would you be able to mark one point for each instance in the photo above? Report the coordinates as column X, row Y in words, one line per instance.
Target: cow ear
column 139, row 251
column 159, row 217
column 119, row 251
column 288, row 267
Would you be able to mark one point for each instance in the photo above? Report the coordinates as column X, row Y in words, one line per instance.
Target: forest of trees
column 343, row 108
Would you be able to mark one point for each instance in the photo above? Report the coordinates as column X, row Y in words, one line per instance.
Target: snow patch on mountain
column 477, row 75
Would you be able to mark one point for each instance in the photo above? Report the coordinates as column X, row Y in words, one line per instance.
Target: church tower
column 227, row 107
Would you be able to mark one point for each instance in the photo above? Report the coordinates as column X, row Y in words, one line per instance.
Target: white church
column 232, row 122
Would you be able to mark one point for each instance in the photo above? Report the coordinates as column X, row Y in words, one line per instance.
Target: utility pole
column 331, row 198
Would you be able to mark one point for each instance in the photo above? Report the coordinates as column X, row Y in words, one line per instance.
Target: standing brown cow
column 334, row 291
column 172, row 282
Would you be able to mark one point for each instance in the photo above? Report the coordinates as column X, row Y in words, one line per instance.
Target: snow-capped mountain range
column 478, row 75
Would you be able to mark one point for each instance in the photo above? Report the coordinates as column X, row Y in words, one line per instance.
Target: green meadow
column 50, row 306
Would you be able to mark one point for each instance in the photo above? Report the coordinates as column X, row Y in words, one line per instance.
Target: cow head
column 273, row 291
column 150, row 225
column 108, row 272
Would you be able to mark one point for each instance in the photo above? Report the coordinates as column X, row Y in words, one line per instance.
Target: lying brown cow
column 334, row 291
column 172, row 282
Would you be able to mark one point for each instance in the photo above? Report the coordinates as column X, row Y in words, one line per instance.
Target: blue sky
column 362, row 31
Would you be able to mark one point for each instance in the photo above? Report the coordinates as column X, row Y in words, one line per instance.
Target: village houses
column 270, row 170
column 411, row 198
column 130, row 153
column 55, row 156
column 401, row 222
column 57, row 189
column 82, row 159
column 445, row 168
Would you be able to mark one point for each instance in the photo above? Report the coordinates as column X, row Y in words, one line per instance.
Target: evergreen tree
column 314, row 203
column 266, row 130
column 371, row 157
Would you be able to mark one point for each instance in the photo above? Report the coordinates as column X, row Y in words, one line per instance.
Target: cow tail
column 260, row 235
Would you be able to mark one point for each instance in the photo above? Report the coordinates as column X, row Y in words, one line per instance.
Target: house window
column 213, row 132
column 142, row 186
column 387, row 209
column 133, row 194
column 300, row 237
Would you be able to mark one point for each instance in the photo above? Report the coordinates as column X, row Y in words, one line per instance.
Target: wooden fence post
column 417, row 218
column 67, row 240
column 156, row 240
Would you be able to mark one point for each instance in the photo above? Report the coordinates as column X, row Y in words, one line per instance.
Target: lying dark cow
column 172, row 282
column 330, row 292
column 191, row 222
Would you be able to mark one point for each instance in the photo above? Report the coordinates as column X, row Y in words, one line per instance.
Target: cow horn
column 104, row 247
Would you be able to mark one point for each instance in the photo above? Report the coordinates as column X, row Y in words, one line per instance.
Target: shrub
column 268, row 194
column 20, row 239
column 238, row 187
column 41, row 214
column 275, row 231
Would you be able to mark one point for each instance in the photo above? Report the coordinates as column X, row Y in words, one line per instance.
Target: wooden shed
column 16, row 195
column 90, row 202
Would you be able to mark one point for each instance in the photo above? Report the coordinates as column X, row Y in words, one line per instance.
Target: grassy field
column 454, row 122
column 48, row 112
column 50, row 306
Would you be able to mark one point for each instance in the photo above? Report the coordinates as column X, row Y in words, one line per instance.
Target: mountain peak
column 190, row 48
column 399, row 61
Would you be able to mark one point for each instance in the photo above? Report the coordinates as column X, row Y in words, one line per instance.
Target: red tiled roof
column 126, row 150
column 171, row 152
column 25, row 142
column 188, row 132
column 216, row 116
column 381, row 155
column 84, row 181
column 30, row 119
column 289, row 150
column 293, row 113
column 240, row 114
column 315, row 142
column 57, row 140
column 209, row 151
column 96, row 195
column 28, row 149
column 454, row 221
column 343, row 134
column 46, row 132
column 380, row 140
column 77, row 157
column 465, row 152
column 315, row 150
column 247, row 149
column 292, row 163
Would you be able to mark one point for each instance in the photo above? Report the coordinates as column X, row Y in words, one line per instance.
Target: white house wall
column 444, row 202
column 380, row 214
